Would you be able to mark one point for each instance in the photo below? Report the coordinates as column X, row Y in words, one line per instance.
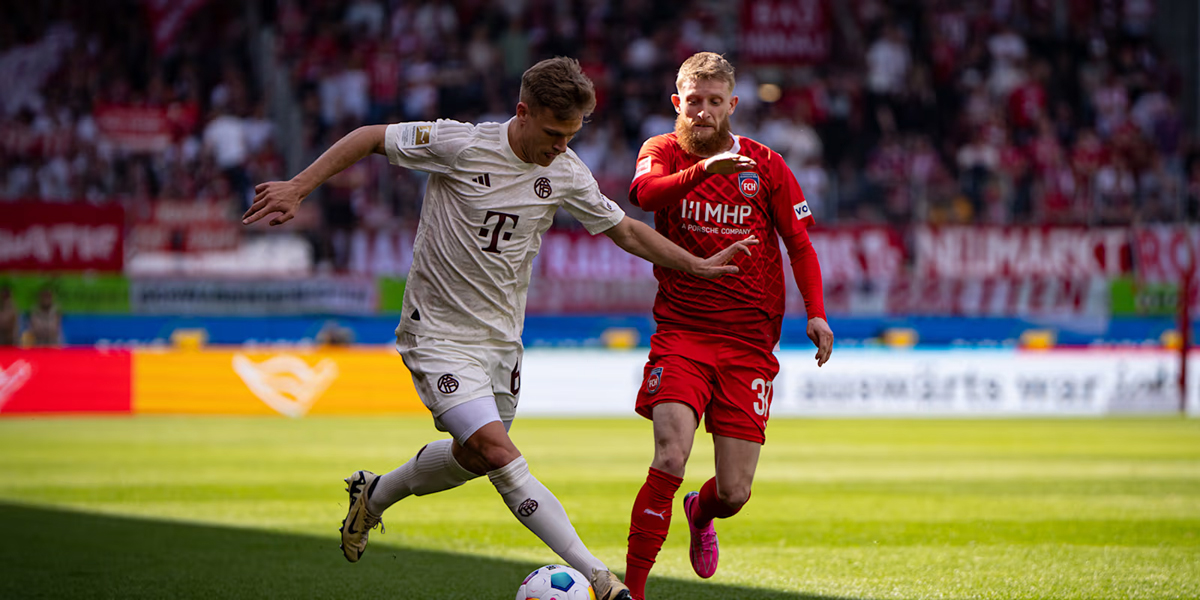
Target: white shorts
column 447, row 373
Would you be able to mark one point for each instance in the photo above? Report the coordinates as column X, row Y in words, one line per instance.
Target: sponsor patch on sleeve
column 802, row 211
column 643, row 167
column 414, row 135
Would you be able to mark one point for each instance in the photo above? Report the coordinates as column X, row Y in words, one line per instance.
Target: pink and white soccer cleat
column 704, row 550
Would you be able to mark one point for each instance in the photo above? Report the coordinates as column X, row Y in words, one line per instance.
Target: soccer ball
column 556, row 582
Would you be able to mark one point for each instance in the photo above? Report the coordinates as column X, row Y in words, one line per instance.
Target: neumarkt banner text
column 73, row 293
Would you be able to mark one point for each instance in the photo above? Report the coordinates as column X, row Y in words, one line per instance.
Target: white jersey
column 481, row 225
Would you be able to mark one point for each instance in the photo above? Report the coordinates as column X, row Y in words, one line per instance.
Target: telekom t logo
column 496, row 233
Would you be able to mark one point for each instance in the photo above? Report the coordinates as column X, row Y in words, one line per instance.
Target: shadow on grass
column 50, row 553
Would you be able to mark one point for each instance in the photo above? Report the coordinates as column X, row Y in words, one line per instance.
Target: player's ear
column 675, row 100
column 732, row 104
column 522, row 110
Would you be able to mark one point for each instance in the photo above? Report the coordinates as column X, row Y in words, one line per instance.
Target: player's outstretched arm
column 639, row 239
column 821, row 335
column 284, row 197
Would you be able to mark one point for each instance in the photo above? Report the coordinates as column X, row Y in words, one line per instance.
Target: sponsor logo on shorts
column 654, row 380
column 542, row 188
column 447, row 384
column 528, row 507
column 748, row 183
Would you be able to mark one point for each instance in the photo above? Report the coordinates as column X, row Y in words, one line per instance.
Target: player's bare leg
column 674, row 432
column 490, row 449
column 721, row 497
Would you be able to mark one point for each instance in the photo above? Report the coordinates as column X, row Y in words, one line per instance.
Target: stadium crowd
column 941, row 111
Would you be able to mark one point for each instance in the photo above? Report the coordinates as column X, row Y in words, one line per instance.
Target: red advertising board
column 851, row 254
column 186, row 226
column 784, row 32
column 145, row 128
column 43, row 236
column 989, row 252
column 65, row 380
column 1165, row 253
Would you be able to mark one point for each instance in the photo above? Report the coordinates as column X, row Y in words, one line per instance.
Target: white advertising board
column 916, row 383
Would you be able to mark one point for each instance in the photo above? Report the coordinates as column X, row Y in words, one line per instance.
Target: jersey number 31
column 763, row 388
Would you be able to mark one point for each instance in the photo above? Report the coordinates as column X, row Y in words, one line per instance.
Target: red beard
column 698, row 143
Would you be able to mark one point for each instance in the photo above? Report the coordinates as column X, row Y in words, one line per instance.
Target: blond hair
column 558, row 84
column 705, row 66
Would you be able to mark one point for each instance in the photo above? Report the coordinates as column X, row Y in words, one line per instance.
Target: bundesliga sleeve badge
column 748, row 183
column 415, row 135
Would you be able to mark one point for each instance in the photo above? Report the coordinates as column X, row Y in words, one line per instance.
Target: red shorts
column 727, row 380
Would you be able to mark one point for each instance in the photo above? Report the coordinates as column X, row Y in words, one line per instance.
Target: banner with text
column 145, row 128
column 343, row 295
column 873, row 270
column 186, row 226
column 784, row 32
column 46, row 236
column 945, row 383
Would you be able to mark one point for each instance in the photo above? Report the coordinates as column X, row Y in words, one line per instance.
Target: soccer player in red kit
column 712, row 353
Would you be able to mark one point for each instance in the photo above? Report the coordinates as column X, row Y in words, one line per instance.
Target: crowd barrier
column 296, row 382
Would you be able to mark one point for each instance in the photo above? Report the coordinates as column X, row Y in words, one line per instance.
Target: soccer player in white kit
column 493, row 191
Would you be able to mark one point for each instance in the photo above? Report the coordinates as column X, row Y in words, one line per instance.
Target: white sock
column 537, row 508
column 433, row 469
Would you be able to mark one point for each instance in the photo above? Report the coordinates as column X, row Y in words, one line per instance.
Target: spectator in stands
column 335, row 334
column 45, row 322
column 10, row 320
column 941, row 68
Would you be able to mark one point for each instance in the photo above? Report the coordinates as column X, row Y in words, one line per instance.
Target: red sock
column 648, row 528
column 710, row 505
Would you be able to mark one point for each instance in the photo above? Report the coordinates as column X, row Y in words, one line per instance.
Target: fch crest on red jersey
column 748, row 183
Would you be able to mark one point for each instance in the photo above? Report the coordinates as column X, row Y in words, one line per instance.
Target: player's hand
column 821, row 335
column 726, row 163
column 281, row 197
column 717, row 265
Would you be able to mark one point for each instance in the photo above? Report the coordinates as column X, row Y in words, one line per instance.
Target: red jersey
column 705, row 213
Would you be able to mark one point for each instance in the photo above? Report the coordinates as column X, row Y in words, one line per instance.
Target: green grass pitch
column 189, row 507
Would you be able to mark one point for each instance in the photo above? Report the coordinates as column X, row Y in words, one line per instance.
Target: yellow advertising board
column 290, row 382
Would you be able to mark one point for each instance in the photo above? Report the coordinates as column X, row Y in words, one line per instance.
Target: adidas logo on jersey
column 484, row 179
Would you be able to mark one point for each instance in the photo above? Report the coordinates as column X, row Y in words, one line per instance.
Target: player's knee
column 671, row 462
column 497, row 456
column 734, row 496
